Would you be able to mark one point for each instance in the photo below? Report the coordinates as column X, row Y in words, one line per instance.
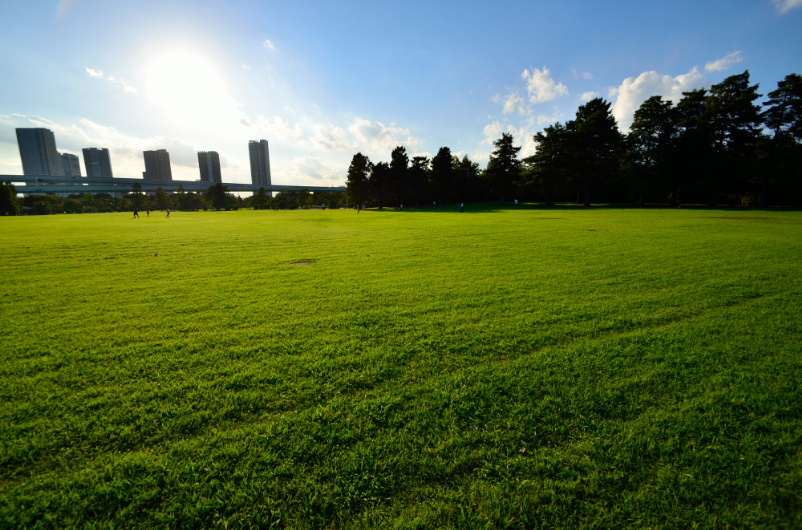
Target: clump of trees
column 717, row 146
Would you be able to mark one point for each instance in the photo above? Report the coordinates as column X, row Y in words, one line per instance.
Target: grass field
column 497, row 369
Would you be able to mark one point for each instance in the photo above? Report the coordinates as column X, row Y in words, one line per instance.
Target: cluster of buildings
column 37, row 150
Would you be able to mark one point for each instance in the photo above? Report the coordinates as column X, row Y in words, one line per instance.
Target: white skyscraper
column 260, row 163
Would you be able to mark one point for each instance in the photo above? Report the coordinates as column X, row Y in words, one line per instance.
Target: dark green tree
column 441, row 179
column 504, row 166
column 734, row 123
column 596, row 146
column 357, row 184
column 783, row 115
column 380, row 183
column 467, row 182
column 161, row 201
column 399, row 169
column 551, row 162
column 650, row 142
column 9, row 205
column 692, row 156
column 418, row 180
column 260, row 200
column 138, row 199
column 215, row 196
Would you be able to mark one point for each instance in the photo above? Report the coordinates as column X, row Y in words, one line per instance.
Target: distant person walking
column 168, row 212
column 136, row 215
column 148, row 212
column 402, row 207
column 516, row 203
column 462, row 207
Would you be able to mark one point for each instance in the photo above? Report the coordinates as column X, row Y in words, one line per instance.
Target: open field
column 499, row 369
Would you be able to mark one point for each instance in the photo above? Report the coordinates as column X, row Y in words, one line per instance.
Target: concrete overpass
column 34, row 184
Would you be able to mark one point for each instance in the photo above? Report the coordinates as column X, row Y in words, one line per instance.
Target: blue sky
column 321, row 81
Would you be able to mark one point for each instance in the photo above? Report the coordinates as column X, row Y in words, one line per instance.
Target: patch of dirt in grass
column 303, row 263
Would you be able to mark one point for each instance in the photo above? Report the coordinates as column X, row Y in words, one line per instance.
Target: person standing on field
column 148, row 212
column 136, row 214
column 168, row 212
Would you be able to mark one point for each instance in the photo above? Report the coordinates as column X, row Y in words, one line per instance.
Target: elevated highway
column 33, row 184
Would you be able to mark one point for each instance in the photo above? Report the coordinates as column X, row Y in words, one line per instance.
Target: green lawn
column 494, row 369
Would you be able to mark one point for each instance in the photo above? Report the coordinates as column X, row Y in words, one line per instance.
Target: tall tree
column 260, row 200
column 138, row 199
column 693, row 149
column 596, row 144
column 216, row 196
column 551, row 161
column 467, row 183
column 399, row 169
column 161, row 200
column 504, row 166
column 734, row 122
column 650, row 142
column 418, row 180
column 357, row 185
column 441, row 182
column 783, row 115
column 380, row 183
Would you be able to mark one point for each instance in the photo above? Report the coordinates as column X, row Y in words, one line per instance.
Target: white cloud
column 511, row 103
column 276, row 126
column 269, row 45
column 375, row 137
column 94, row 73
column 122, row 83
column 245, row 66
column 582, row 75
column 492, row 132
column 634, row 91
column 541, row 86
column 523, row 135
column 783, row 6
column 587, row 96
column 726, row 62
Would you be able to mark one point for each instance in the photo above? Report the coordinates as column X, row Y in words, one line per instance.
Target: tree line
column 716, row 146
column 216, row 197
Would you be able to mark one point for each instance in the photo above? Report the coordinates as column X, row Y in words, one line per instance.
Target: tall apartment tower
column 260, row 163
column 97, row 162
column 157, row 165
column 70, row 165
column 37, row 150
column 209, row 165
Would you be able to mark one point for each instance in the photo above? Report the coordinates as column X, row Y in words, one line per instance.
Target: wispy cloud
column 511, row 103
column 122, row 83
column 726, row 62
column 246, row 67
column 587, row 96
column 784, row 6
column 94, row 73
column 269, row 45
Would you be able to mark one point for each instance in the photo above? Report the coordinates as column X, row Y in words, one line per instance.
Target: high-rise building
column 209, row 165
column 157, row 165
column 70, row 165
column 97, row 162
column 260, row 163
column 37, row 149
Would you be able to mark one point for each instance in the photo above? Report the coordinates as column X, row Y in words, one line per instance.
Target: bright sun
column 188, row 89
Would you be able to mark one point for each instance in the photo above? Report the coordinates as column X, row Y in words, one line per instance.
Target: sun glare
column 188, row 89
